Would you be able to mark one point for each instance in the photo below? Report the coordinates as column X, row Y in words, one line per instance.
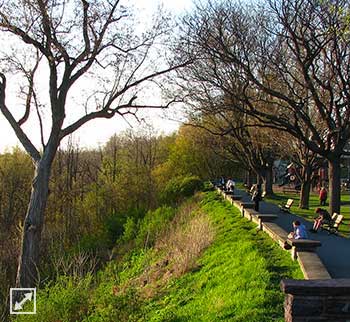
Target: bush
column 130, row 230
column 190, row 185
column 181, row 187
column 153, row 225
column 65, row 300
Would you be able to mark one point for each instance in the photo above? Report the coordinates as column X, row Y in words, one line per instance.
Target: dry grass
column 189, row 233
column 77, row 265
column 185, row 242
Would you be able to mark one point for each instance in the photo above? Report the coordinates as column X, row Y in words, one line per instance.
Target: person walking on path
column 256, row 197
column 323, row 217
column 323, row 196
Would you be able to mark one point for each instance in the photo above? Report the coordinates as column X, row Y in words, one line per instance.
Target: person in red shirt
column 323, row 196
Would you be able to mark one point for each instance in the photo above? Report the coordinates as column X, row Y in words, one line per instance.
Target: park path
column 335, row 250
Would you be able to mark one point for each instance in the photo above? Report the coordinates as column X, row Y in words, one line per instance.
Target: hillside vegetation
column 199, row 262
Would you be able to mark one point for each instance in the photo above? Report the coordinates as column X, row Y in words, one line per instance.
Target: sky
column 97, row 132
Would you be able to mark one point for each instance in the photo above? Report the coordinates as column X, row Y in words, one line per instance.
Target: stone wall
column 317, row 300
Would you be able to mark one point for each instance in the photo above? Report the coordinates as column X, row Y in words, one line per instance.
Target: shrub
column 181, row 187
column 130, row 230
column 64, row 300
column 153, row 225
column 190, row 185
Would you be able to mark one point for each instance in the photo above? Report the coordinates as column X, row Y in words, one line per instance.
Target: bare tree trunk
column 305, row 194
column 334, row 184
column 249, row 178
column 269, row 181
column 27, row 273
column 260, row 177
column 305, row 186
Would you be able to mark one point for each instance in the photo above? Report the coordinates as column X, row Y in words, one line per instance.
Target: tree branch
column 27, row 144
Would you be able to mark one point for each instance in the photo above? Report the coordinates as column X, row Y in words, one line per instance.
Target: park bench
column 251, row 190
column 333, row 226
column 286, row 207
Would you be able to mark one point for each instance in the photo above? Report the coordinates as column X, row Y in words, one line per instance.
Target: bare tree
column 308, row 162
column 286, row 65
column 65, row 41
column 252, row 147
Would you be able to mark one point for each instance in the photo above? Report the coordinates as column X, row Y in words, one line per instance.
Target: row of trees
column 282, row 65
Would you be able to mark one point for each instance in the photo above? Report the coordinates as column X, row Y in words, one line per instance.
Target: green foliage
column 238, row 276
column 65, row 300
column 113, row 226
column 130, row 230
column 92, row 243
column 153, row 225
column 236, row 279
column 180, row 187
column 190, row 185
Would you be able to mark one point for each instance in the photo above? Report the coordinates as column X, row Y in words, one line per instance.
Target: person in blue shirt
column 299, row 231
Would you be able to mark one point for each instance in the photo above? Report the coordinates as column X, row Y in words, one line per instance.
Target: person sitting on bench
column 323, row 216
column 299, row 232
column 230, row 185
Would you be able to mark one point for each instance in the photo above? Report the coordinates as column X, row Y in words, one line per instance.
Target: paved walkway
column 335, row 250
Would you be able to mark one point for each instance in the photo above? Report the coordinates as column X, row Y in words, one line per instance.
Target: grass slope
column 237, row 278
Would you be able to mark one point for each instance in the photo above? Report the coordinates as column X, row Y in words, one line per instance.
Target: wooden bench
column 286, row 207
column 251, row 190
column 333, row 226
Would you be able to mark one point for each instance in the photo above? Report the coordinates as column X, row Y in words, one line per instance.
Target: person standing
column 256, row 197
column 323, row 196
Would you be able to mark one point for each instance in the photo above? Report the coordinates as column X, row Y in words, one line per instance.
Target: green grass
column 235, row 279
column 309, row 214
